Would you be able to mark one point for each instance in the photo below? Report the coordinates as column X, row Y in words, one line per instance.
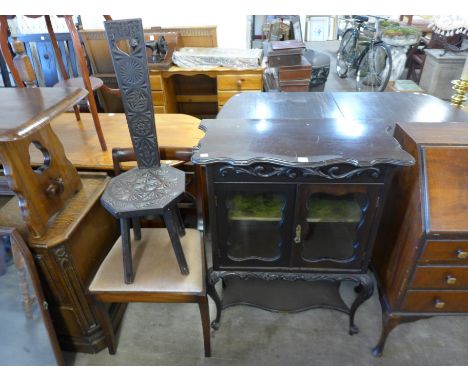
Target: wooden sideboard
column 199, row 91
column 421, row 253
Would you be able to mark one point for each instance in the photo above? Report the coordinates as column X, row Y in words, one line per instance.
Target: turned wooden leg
column 126, row 250
column 136, row 228
column 364, row 290
column 171, row 226
column 205, row 319
column 77, row 112
column 104, row 321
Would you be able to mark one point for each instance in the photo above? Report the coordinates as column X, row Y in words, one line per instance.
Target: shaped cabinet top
column 299, row 143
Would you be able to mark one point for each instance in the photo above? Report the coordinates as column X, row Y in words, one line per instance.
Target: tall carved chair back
column 151, row 188
column 128, row 51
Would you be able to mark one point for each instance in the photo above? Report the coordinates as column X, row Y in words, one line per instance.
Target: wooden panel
column 440, row 278
column 159, row 109
column 158, row 98
column 446, row 172
column 453, row 301
column 240, row 82
column 156, row 82
column 197, row 98
column 445, row 251
column 223, row 96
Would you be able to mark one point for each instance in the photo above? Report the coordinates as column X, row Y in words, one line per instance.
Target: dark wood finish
column 304, row 143
column 420, row 258
column 292, row 160
column 388, row 107
column 152, row 188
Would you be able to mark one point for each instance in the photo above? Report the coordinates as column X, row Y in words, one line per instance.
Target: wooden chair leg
column 104, row 321
column 136, row 228
column 126, row 250
column 205, row 319
column 28, row 300
column 174, row 235
column 4, row 48
column 85, row 74
column 178, row 218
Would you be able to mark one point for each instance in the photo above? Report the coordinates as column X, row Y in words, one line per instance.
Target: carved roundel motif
column 131, row 71
column 141, row 126
column 137, row 99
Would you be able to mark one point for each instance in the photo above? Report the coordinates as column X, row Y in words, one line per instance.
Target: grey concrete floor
column 170, row 334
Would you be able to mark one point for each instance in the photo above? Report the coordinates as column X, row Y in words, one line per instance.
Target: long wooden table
column 176, row 131
column 390, row 108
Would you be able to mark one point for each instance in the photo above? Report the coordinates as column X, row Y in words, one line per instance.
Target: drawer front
column 156, row 82
column 158, row 98
column 440, row 278
column 160, row 109
column 223, row 96
column 455, row 252
column 436, row 301
column 240, row 82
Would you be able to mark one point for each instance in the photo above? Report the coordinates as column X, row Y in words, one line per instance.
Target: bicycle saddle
column 360, row 19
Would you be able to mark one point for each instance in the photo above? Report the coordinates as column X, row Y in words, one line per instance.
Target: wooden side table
column 57, row 211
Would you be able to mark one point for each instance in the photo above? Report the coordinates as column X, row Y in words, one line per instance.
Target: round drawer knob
column 461, row 254
column 451, row 280
column 239, row 83
column 439, row 304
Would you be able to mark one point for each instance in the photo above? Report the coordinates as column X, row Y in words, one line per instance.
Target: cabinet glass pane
column 254, row 224
column 332, row 226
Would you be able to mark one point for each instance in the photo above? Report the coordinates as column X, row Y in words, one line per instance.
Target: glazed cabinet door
column 333, row 225
column 252, row 227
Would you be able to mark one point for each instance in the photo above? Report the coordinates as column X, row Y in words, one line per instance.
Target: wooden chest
column 421, row 253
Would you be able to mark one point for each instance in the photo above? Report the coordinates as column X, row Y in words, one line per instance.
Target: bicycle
column 370, row 57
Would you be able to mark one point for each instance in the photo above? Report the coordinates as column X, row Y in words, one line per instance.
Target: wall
column 231, row 28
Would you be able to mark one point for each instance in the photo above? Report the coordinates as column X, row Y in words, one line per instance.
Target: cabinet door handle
column 439, row 304
column 461, row 254
column 451, row 280
column 239, row 83
column 297, row 239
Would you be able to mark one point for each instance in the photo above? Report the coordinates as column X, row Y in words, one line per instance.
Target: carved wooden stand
column 364, row 289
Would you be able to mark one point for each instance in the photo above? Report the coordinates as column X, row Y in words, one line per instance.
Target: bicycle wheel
column 374, row 69
column 345, row 54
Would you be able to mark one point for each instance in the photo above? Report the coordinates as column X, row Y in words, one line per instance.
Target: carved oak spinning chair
column 161, row 269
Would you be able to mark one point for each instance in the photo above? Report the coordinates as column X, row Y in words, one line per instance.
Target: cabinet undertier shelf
column 282, row 295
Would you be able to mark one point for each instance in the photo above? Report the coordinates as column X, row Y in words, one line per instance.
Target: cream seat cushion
column 154, row 265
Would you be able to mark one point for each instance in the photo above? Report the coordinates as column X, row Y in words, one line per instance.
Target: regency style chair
column 156, row 261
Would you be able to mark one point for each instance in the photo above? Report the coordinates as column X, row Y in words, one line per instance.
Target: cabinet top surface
column 299, row 142
column 24, row 110
column 390, row 107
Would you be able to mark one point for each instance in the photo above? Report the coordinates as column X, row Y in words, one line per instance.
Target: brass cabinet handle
column 451, row 280
column 439, row 304
column 297, row 239
column 461, row 254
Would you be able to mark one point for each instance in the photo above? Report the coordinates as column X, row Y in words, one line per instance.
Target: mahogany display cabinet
column 292, row 209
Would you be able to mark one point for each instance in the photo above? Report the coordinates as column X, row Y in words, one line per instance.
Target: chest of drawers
column 421, row 252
